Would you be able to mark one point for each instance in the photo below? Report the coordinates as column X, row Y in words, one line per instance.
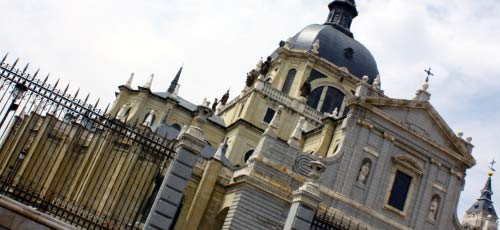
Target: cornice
column 365, row 103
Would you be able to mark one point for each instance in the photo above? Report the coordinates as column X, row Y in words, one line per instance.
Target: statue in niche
column 433, row 208
column 305, row 89
column 149, row 119
column 364, row 171
column 266, row 66
column 123, row 113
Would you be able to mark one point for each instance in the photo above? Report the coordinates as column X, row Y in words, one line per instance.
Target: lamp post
column 17, row 94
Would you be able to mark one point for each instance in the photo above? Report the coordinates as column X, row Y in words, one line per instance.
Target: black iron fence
column 68, row 158
column 325, row 221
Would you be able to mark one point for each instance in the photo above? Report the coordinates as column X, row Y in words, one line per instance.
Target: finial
column 288, row 43
column 365, row 79
column 205, row 102
column 129, row 81
column 149, row 82
column 460, row 134
column 492, row 168
column 175, row 82
column 425, row 86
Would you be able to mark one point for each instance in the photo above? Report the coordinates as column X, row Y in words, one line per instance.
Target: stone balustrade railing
column 289, row 102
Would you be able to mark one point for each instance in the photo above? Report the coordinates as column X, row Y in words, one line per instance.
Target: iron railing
column 325, row 221
column 68, row 158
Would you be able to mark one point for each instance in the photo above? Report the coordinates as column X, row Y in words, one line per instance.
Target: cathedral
column 310, row 142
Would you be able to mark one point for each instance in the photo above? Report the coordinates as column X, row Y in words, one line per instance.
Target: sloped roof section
column 422, row 119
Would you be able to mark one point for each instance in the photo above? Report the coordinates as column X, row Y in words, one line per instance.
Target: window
column 326, row 99
column 333, row 99
column 289, row 81
column 176, row 126
column 399, row 191
column 269, row 115
column 313, row 98
column 316, row 75
column 247, row 155
column 165, row 118
column 337, row 15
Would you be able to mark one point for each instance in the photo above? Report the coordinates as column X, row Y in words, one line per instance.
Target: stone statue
column 305, row 89
column 266, row 66
column 433, row 208
column 149, row 119
column 259, row 65
column 215, row 104
column 251, row 77
column 225, row 98
column 316, row 46
column 364, row 172
column 376, row 82
column 122, row 114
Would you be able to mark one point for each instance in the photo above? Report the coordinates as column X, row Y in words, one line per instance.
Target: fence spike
column 36, row 73
column 97, row 102
column 46, row 79
column 25, row 68
column 77, row 92
column 14, row 65
column 86, row 99
column 4, row 58
column 66, row 89
column 107, row 107
column 57, row 83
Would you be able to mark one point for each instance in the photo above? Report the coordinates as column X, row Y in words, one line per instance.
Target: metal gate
column 68, row 158
column 324, row 221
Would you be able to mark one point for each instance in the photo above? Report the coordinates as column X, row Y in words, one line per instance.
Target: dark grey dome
column 338, row 48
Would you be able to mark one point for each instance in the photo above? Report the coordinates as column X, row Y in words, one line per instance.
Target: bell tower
column 481, row 215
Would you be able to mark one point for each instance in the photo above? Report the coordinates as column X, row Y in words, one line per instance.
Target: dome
column 338, row 48
column 336, row 41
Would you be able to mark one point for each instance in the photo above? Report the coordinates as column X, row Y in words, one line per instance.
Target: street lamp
column 17, row 94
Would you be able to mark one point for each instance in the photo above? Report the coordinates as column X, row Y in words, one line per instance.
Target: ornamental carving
column 301, row 165
column 409, row 163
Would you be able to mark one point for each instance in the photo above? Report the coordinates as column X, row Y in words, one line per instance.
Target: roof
column 189, row 106
column 484, row 203
column 338, row 48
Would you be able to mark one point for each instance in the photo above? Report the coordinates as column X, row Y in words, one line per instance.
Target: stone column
column 167, row 202
column 305, row 201
column 204, row 191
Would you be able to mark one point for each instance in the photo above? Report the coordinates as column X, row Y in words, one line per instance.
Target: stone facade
column 388, row 163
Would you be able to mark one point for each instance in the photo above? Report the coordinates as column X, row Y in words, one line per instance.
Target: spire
column 175, row 82
column 129, row 81
column 342, row 12
column 485, row 204
column 148, row 83
column 486, row 192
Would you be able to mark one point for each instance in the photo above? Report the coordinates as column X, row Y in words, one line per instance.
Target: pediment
column 421, row 118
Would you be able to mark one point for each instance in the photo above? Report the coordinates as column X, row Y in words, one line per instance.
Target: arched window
column 325, row 99
column 289, row 81
column 248, row 155
column 176, row 126
column 314, row 96
column 333, row 99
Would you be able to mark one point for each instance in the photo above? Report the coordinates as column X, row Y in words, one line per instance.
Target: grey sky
column 96, row 44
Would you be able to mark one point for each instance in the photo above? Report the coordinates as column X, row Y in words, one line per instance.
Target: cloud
column 96, row 44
